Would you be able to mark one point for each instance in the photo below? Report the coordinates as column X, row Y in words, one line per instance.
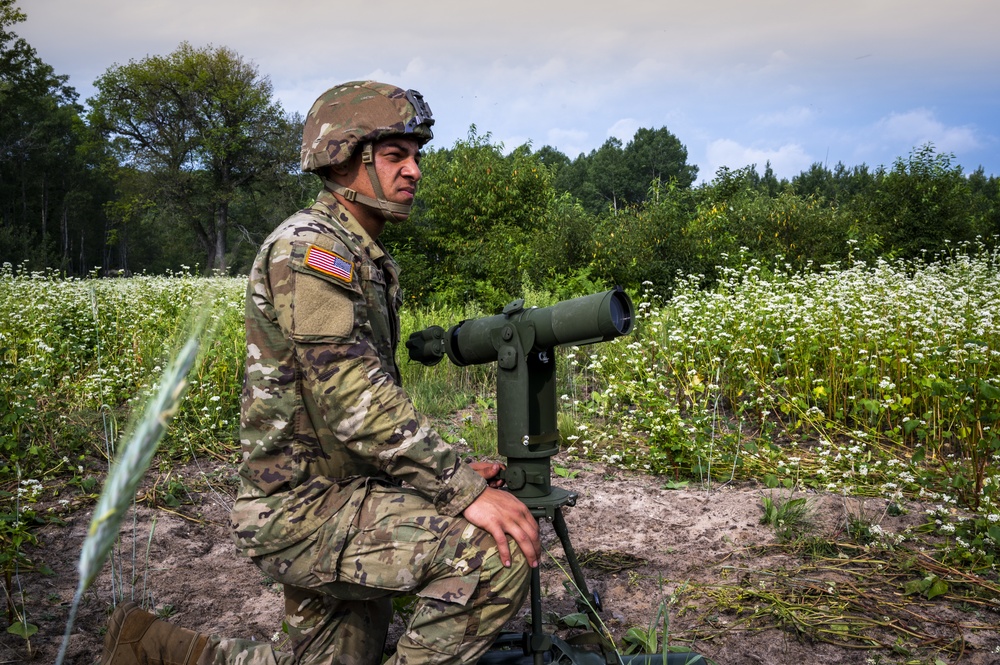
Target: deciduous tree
column 204, row 122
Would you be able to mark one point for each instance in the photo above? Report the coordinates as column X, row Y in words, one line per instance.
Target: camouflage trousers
column 339, row 586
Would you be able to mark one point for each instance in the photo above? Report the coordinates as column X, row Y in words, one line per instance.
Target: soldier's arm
column 362, row 407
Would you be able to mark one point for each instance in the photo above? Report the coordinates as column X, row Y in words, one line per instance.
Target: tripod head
column 521, row 340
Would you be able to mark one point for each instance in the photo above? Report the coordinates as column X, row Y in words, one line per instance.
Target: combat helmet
column 356, row 115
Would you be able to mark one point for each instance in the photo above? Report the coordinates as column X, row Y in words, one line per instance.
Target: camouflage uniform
column 328, row 438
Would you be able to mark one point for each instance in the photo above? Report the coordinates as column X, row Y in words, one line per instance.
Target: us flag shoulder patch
column 329, row 263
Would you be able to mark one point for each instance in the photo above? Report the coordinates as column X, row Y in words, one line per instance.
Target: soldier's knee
column 519, row 570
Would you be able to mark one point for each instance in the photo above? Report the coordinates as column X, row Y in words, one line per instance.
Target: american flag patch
column 329, row 263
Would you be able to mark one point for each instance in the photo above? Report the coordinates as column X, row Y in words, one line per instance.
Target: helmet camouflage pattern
column 360, row 112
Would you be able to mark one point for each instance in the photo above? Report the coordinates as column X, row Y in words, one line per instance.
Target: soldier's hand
column 501, row 514
column 489, row 471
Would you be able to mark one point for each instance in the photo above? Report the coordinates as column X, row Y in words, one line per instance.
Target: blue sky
column 856, row 81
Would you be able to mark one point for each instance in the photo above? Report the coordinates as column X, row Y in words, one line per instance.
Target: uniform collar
column 329, row 205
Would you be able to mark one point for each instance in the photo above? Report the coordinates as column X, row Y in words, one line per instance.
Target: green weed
column 791, row 519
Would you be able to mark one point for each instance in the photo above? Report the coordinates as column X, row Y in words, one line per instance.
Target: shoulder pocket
column 325, row 287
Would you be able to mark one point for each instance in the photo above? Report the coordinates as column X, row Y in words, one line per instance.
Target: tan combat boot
column 136, row 637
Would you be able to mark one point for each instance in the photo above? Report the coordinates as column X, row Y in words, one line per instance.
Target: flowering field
column 874, row 380
column 877, row 380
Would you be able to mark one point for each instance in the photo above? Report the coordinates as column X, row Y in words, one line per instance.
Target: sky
column 790, row 82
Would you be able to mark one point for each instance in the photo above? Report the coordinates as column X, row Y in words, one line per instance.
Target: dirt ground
column 731, row 591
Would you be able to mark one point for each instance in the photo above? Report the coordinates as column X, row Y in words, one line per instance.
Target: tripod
column 527, row 434
column 588, row 601
column 521, row 342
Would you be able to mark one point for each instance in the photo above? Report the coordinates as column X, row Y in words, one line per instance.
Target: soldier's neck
column 370, row 220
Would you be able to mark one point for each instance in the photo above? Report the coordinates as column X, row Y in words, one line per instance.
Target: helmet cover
column 360, row 112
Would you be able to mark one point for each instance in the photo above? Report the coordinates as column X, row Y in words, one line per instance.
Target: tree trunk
column 67, row 264
column 217, row 256
column 45, row 206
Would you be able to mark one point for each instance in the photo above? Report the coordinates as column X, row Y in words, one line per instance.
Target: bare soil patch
column 733, row 593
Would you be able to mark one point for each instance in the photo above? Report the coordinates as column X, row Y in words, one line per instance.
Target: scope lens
column 620, row 315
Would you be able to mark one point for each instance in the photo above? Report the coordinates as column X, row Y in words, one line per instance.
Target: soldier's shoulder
column 310, row 227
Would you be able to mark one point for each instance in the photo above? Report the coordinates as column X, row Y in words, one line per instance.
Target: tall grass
column 870, row 379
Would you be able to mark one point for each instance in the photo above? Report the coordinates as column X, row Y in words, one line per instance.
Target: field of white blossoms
column 876, row 380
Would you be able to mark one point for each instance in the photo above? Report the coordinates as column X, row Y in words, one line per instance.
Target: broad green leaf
column 916, row 586
column 575, row 620
column 937, row 588
column 22, row 629
column 988, row 391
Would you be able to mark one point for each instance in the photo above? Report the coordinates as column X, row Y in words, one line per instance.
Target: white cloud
column 920, row 126
column 624, row 129
column 786, row 161
column 570, row 142
column 795, row 116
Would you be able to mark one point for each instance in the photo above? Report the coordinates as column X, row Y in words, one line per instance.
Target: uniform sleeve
column 361, row 406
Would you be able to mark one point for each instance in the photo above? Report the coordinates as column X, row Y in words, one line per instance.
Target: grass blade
column 128, row 471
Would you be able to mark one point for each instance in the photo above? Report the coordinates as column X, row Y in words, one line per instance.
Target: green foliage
column 794, row 230
column 562, row 252
column 50, row 194
column 615, row 177
column 929, row 587
column 474, row 218
column 920, row 205
column 790, row 518
column 838, row 186
column 202, row 122
column 648, row 243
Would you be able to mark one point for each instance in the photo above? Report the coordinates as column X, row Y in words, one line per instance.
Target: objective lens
column 620, row 316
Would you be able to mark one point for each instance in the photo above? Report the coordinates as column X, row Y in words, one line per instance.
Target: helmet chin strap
column 393, row 212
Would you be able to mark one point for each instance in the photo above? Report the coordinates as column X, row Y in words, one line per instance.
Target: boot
column 136, row 637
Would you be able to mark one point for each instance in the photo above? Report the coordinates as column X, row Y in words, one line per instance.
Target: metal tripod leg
column 588, row 602
column 540, row 642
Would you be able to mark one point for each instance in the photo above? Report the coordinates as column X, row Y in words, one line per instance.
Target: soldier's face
column 397, row 163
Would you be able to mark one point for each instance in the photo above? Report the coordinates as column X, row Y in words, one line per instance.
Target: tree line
column 180, row 160
column 187, row 160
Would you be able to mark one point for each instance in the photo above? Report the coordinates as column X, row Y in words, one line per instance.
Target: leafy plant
column 564, row 472
column 790, row 518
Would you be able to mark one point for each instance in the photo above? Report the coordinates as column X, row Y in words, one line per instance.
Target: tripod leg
column 591, row 600
column 539, row 641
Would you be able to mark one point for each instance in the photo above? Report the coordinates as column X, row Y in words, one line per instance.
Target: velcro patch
column 329, row 263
